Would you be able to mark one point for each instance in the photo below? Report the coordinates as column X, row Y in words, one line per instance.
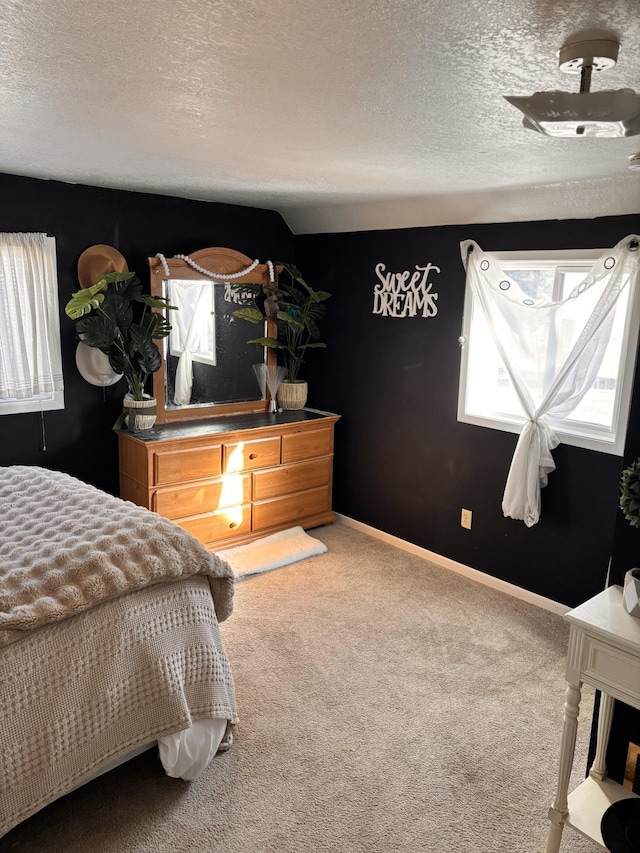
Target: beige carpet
column 385, row 705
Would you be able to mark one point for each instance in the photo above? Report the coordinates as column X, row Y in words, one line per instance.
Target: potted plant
column 630, row 506
column 115, row 316
column 296, row 308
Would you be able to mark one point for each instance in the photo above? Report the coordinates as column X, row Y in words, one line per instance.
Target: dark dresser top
column 227, row 423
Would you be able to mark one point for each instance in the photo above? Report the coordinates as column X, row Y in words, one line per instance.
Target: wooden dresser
column 234, row 478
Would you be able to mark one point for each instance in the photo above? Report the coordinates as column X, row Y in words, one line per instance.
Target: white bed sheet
column 183, row 755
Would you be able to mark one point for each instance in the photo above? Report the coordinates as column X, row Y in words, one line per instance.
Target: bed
column 109, row 640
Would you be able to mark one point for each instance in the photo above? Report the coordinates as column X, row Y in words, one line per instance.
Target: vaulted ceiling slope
column 341, row 114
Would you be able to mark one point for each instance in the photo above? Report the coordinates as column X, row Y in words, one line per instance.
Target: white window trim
column 583, row 436
column 47, row 402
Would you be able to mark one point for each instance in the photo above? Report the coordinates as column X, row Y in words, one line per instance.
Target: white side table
column 604, row 651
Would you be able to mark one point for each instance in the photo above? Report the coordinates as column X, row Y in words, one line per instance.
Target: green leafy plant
column 630, row 493
column 115, row 316
column 296, row 307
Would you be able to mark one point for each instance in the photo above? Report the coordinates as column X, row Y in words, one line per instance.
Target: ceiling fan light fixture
column 607, row 113
column 600, row 54
column 601, row 114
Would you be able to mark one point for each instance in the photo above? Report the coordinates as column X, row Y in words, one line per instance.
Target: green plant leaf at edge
column 273, row 343
column 287, row 318
column 84, row 300
column 250, row 314
column 156, row 302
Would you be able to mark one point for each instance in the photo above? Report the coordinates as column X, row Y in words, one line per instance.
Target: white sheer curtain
column 191, row 332
column 521, row 328
column 30, row 360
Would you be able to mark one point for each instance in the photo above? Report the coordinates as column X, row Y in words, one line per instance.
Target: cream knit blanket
column 66, row 546
column 80, row 693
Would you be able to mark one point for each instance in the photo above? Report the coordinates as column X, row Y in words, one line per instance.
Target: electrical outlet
column 465, row 518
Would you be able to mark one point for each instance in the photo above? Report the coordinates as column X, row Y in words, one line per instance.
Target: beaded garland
column 210, row 273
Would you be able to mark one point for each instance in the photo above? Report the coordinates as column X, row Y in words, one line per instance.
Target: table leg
column 605, row 715
column 559, row 809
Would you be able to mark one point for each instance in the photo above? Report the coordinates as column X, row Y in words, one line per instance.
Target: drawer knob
column 233, row 524
column 253, row 456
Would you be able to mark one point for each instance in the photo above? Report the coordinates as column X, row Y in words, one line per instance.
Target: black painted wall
column 79, row 439
column 403, row 462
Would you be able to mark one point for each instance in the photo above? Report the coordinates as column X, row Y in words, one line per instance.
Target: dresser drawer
column 223, row 524
column 232, row 480
column 193, row 463
column 231, row 490
column 291, row 478
column 610, row 667
column 291, row 509
column 305, row 445
column 247, row 455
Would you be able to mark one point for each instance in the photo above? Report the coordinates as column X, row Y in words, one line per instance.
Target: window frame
column 585, row 435
column 53, row 400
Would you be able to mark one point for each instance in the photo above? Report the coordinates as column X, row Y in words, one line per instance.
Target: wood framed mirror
column 207, row 365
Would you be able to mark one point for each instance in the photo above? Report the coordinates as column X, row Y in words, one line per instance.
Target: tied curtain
column 521, row 328
column 30, row 359
column 191, row 331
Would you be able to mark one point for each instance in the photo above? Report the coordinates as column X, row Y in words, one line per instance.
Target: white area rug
column 272, row 552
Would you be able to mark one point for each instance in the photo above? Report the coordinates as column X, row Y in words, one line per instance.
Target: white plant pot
column 631, row 592
column 292, row 395
column 139, row 414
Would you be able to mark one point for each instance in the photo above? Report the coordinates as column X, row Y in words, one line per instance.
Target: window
column 30, row 355
column 487, row 394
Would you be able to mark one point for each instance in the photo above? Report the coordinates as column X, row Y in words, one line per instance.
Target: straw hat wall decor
column 118, row 326
column 93, row 263
column 97, row 261
column 94, row 367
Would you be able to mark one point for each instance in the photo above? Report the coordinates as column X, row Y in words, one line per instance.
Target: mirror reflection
column 208, row 367
column 207, row 358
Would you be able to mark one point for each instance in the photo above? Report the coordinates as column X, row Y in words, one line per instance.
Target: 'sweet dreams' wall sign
column 405, row 294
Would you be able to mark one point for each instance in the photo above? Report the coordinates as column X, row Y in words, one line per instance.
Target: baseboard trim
column 458, row 568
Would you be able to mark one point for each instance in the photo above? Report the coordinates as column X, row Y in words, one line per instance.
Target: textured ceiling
column 341, row 114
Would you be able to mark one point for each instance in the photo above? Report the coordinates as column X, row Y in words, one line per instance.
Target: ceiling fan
column 608, row 113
